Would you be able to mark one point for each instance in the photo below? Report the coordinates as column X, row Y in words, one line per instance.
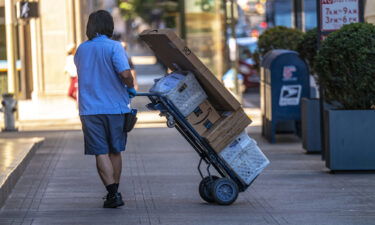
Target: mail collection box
column 173, row 53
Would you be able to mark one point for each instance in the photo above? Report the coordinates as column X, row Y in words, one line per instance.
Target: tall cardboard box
column 173, row 53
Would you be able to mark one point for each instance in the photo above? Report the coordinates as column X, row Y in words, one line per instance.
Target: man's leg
column 116, row 161
column 106, row 173
column 105, row 169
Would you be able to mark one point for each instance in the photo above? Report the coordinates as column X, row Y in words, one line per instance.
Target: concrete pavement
column 160, row 186
column 15, row 153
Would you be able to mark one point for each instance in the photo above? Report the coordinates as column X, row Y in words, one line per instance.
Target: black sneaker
column 113, row 201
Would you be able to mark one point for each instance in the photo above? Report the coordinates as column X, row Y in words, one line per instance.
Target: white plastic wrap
column 245, row 158
column 184, row 92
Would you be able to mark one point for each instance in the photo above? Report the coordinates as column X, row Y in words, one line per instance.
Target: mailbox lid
column 271, row 56
column 173, row 53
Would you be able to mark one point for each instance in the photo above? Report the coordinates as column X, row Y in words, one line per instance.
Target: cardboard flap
column 173, row 53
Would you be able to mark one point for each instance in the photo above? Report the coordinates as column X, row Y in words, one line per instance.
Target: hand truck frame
column 223, row 191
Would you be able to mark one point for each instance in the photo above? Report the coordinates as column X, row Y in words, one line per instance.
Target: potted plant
column 346, row 68
column 310, row 108
column 278, row 37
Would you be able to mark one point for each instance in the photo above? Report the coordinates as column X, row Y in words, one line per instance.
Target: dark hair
column 100, row 23
column 116, row 37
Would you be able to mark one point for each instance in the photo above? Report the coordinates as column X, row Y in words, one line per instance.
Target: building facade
column 33, row 53
column 40, row 44
column 205, row 33
column 299, row 14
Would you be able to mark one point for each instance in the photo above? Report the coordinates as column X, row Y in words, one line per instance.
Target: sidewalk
column 160, row 186
column 15, row 153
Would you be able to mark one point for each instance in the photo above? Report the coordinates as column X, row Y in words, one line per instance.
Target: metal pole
column 235, row 59
column 10, row 23
column 321, row 88
column 181, row 4
column 78, row 22
column 34, row 58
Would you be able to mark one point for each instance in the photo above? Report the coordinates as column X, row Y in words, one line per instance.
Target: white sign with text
column 336, row 13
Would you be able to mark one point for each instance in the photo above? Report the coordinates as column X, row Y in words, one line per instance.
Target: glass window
column 283, row 10
column 310, row 14
column 2, row 35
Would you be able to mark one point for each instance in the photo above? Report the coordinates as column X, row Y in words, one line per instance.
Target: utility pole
column 181, row 5
column 78, row 22
column 233, row 48
column 10, row 23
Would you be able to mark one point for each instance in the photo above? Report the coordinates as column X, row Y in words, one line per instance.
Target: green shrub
column 346, row 66
column 279, row 38
column 308, row 47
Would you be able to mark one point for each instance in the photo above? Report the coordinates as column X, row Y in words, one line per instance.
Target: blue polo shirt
column 101, row 91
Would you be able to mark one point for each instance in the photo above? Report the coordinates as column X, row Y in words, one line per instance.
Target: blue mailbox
column 284, row 81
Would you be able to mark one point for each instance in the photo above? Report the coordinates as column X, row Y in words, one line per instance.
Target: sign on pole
column 333, row 14
column 26, row 10
column 336, row 14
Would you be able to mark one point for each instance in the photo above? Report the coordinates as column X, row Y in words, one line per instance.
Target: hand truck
column 213, row 189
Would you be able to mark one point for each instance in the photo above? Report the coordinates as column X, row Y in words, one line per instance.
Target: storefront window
column 310, row 14
column 3, row 56
column 283, row 10
column 2, row 35
column 205, row 32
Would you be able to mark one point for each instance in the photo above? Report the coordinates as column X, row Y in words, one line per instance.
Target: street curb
column 11, row 180
column 145, row 118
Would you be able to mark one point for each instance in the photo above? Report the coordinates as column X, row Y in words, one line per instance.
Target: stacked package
column 188, row 96
column 244, row 157
column 242, row 154
column 182, row 90
column 214, row 113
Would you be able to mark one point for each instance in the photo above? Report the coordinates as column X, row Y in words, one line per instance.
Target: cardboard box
column 226, row 130
column 173, row 53
column 203, row 117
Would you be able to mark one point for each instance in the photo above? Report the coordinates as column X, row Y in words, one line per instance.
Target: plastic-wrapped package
column 184, row 91
column 244, row 157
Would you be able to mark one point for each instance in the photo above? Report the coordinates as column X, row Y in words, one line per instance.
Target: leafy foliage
column 308, row 48
column 279, row 37
column 346, row 66
column 133, row 8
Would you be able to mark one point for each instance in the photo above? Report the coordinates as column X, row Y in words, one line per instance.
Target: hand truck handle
column 140, row 94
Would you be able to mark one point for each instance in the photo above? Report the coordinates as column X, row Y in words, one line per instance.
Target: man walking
column 105, row 87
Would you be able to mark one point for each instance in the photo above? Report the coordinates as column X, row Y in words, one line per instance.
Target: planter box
column 350, row 139
column 310, row 119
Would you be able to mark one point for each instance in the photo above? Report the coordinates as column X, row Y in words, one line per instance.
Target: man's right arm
column 127, row 78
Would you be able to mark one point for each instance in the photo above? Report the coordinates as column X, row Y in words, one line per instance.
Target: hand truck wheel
column 170, row 121
column 224, row 191
column 205, row 188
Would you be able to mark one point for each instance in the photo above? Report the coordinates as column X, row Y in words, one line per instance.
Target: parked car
column 247, row 68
